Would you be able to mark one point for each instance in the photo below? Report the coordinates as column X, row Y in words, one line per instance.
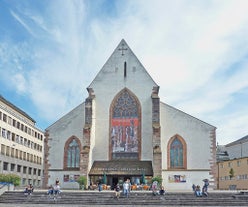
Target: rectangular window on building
column 39, row 172
column 0, row 115
column 17, row 139
column 229, row 164
column 4, row 117
column 24, row 155
column 12, row 152
column 7, row 150
column 238, row 163
column 16, row 153
column 14, row 123
column 31, row 158
column 12, row 137
column 9, row 120
column 27, row 156
column 18, row 125
column 4, row 133
column 19, row 168
column 20, row 155
column 29, row 131
column 24, row 169
column 12, row 167
column 8, row 135
column 2, row 149
column 5, row 166
column 35, row 171
column 30, row 171
column 24, row 181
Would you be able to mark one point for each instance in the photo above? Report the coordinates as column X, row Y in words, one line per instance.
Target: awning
column 122, row 167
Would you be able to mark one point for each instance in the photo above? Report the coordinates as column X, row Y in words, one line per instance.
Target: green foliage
column 231, row 173
column 10, row 178
column 159, row 179
column 82, row 181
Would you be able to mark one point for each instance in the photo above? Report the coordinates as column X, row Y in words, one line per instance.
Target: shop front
column 110, row 173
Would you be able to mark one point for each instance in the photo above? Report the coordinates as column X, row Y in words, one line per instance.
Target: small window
column 5, row 166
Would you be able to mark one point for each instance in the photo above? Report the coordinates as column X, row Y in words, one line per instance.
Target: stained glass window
column 73, row 155
column 125, row 126
column 176, row 154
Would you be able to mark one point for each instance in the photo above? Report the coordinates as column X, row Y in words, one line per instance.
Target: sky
column 195, row 50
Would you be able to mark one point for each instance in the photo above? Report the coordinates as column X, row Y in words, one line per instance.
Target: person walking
column 126, row 188
column 117, row 191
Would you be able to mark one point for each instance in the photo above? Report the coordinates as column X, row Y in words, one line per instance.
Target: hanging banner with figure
column 124, row 135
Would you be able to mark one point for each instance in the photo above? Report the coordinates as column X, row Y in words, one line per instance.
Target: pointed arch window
column 125, row 126
column 72, row 154
column 177, row 153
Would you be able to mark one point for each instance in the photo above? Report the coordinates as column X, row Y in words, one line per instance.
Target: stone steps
column 136, row 198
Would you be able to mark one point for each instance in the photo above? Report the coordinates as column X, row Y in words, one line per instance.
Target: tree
column 10, row 178
column 231, row 173
column 158, row 179
column 82, row 181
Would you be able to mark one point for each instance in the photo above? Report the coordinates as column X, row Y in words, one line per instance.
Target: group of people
column 156, row 190
column 54, row 189
column 201, row 192
column 29, row 189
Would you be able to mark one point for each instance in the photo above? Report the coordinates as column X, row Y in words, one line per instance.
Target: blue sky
column 196, row 51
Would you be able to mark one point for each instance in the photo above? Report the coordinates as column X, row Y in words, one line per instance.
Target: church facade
column 123, row 131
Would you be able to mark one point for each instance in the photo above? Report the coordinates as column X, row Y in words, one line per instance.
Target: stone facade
column 123, row 119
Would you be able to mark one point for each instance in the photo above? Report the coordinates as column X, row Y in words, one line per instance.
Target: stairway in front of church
column 136, row 198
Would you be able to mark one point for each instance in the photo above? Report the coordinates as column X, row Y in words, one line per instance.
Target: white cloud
column 188, row 47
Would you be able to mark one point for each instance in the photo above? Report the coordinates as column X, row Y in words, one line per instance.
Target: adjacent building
column 233, row 165
column 21, row 150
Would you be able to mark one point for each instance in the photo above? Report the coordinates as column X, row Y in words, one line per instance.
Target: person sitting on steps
column 198, row 192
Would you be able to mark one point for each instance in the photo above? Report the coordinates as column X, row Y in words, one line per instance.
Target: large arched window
column 177, row 153
column 125, row 126
column 72, row 154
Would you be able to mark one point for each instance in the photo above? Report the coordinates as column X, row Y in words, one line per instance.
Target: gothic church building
column 123, row 131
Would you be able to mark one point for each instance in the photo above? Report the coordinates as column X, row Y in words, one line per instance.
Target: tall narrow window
column 125, row 69
column 125, row 126
column 177, row 153
column 72, row 154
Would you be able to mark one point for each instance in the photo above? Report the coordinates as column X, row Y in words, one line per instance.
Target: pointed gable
column 123, row 68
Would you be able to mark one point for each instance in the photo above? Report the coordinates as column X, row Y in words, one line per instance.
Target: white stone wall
column 196, row 134
column 69, row 125
column 107, row 84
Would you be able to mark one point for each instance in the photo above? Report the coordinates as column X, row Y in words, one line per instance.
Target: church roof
column 122, row 53
column 122, row 167
column 239, row 141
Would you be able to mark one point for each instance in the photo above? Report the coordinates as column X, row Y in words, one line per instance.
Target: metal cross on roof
column 122, row 49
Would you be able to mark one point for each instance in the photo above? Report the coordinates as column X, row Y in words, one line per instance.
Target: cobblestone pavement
column 62, row 205
column 71, row 205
